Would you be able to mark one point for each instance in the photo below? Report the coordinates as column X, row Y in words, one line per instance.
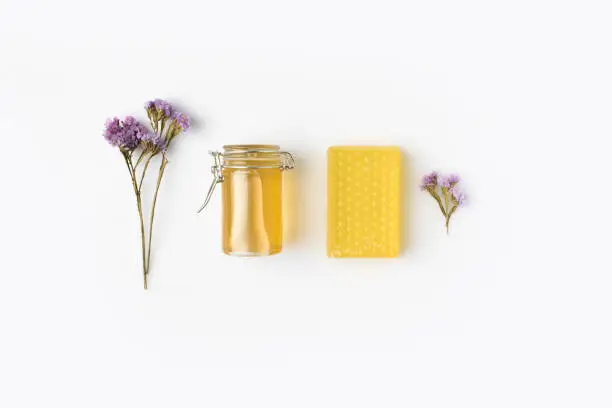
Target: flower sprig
column 445, row 191
column 138, row 146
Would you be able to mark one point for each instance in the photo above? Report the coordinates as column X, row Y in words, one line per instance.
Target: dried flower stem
column 139, row 160
column 446, row 207
column 151, row 218
column 435, row 196
column 132, row 170
column 144, row 170
column 448, row 217
column 137, row 185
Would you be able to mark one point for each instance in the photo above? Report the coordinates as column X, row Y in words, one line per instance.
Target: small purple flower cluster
column 159, row 108
column 445, row 191
column 125, row 134
column 153, row 142
column 429, row 180
column 457, row 195
column 128, row 134
column 162, row 113
column 450, row 181
column 181, row 120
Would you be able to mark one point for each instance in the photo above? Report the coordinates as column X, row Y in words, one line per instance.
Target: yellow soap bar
column 364, row 194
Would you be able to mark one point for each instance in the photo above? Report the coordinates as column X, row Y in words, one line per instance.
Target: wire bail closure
column 287, row 162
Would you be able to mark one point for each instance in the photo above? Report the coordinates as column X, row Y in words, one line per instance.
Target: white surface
column 512, row 309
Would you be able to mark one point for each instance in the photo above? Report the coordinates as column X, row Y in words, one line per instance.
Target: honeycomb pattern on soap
column 363, row 201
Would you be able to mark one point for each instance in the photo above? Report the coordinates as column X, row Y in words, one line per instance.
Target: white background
column 511, row 309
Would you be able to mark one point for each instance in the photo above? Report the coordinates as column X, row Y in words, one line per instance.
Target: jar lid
column 255, row 156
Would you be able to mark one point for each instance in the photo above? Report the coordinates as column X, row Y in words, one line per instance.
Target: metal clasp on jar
column 287, row 162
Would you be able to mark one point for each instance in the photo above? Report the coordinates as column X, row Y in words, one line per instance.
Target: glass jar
column 252, row 197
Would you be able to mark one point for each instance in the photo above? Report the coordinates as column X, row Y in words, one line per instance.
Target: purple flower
column 129, row 121
column 159, row 109
column 429, row 180
column 457, row 195
column 448, row 205
column 124, row 134
column 112, row 131
column 181, row 120
column 453, row 179
column 133, row 131
column 448, row 181
column 153, row 141
column 163, row 107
